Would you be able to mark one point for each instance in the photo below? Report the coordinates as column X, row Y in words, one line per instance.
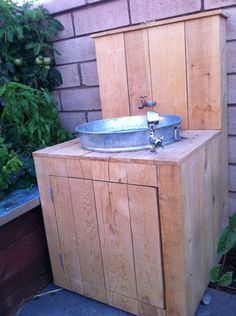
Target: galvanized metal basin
column 127, row 133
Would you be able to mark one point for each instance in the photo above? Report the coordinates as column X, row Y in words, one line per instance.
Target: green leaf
column 226, row 279
column 214, row 273
column 232, row 222
column 222, row 242
column 10, row 66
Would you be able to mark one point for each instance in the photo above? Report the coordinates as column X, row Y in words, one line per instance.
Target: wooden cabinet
column 135, row 230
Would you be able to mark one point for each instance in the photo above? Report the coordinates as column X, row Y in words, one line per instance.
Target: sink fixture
column 128, row 133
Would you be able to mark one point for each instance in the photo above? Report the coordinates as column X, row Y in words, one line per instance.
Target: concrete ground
column 66, row 303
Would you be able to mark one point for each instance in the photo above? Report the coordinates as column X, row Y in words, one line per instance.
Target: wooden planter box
column 25, row 267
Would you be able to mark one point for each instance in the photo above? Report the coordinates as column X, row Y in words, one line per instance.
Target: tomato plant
column 25, row 48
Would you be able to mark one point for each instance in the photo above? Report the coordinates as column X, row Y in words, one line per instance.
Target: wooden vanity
column 138, row 230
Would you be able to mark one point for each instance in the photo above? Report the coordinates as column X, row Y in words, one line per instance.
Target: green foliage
column 225, row 243
column 30, row 118
column 10, row 166
column 26, row 55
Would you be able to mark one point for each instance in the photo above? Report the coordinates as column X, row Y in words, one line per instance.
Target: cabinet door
column 69, row 254
column 78, row 234
column 130, row 241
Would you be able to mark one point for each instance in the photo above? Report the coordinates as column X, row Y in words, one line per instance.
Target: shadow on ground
column 66, row 303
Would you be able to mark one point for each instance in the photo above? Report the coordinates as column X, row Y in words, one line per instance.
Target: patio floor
column 66, row 303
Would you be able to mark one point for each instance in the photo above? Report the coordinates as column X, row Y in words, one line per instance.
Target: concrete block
column 231, row 89
column 231, row 56
column 232, row 120
column 66, row 21
column 232, row 203
column 231, row 23
column 232, row 178
column 56, row 96
column 101, row 17
column 232, row 149
column 143, row 11
column 211, row 4
column 92, row 116
column 70, row 120
column 70, row 75
column 89, row 73
column 56, row 6
column 75, row 50
column 80, row 99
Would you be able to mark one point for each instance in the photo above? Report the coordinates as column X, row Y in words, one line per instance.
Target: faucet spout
column 153, row 121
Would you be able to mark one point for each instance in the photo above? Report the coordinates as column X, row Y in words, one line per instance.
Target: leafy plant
column 29, row 120
column 225, row 243
column 26, row 55
column 10, row 166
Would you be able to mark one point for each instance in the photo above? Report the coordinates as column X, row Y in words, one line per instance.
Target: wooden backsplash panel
column 138, row 68
column 177, row 64
column 168, row 70
column 112, row 74
column 204, row 72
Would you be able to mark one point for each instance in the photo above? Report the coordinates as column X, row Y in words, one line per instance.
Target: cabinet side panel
column 88, row 238
column 205, row 207
column 172, row 232
column 168, row 69
column 115, row 233
column 146, row 241
column 43, row 170
column 66, row 229
column 110, row 52
column 138, row 69
column 204, row 72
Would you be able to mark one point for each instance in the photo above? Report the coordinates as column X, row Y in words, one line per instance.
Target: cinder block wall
column 78, row 97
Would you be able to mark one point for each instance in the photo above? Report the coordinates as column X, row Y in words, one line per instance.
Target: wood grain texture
column 115, row 234
column 204, row 72
column 69, row 256
column 79, row 168
column 110, row 52
column 149, row 310
column 147, row 247
column 43, row 169
column 173, row 245
column 138, row 69
column 168, row 69
column 123, row 302
column 86, row 227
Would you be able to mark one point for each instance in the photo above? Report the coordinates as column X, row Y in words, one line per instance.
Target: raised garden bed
column 25, row 267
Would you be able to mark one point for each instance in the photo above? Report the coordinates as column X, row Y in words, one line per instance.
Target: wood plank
column 163, row 22
column 115, row 234
column 110, row 52
column 100, row 170
column 123, row 302
column 43, row 169
column 79, row 168
column 149, row 310
column 86, row 227
column 204, row 73
column 138, row 69
column 147, row 247
column 168, row 69
column 173, row 246
column 117, row 172
column 142, row 174
column 69, row 256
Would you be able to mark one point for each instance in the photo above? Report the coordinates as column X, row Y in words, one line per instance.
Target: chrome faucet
column 153, row 121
